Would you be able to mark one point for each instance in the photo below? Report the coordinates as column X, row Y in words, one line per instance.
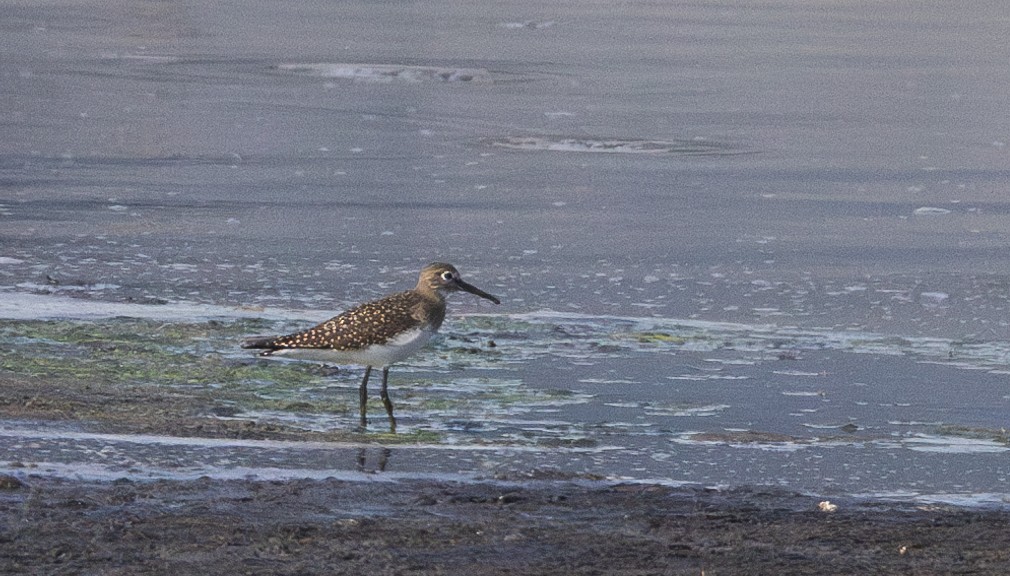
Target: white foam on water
column 954, row 445
column 387, row 72
column 90, row 471
column 24, row 306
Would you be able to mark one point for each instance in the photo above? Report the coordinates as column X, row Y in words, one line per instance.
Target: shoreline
column 172, row 398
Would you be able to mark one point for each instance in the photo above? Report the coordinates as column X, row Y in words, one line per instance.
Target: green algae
column 188, row 377
column 193, row 378
column 134, row 372
column 131, row 351
column 663, row 337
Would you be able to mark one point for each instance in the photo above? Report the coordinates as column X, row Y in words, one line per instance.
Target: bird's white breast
column 396, row 348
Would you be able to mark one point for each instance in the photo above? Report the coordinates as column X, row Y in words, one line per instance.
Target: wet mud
column 422, row 527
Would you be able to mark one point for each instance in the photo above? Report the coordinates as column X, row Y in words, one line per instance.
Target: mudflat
column 209, row 526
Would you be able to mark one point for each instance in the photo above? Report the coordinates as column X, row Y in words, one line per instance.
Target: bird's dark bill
column 477, row 291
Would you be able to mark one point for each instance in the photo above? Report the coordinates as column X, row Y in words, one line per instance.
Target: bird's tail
column 260, row 342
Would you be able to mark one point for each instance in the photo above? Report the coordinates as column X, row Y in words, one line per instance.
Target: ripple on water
column 611, row 145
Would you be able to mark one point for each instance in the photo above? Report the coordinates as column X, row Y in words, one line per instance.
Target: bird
column 378, row 333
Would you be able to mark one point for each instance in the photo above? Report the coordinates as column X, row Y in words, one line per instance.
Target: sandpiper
column 377, row 333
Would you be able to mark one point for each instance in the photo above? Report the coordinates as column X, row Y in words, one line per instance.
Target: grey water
column 829, row 168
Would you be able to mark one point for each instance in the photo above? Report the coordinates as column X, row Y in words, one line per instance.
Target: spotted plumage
column 369, row 324
column 376, row 333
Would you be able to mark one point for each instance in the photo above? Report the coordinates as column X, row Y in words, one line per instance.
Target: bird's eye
column 447, row 275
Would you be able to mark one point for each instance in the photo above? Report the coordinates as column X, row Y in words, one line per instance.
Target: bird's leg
column 363, row 393
column 386, row 401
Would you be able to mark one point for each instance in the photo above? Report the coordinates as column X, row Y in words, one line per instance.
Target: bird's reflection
column 380, row 466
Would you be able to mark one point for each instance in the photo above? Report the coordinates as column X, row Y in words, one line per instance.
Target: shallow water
column 563, row 395
column 735, row 243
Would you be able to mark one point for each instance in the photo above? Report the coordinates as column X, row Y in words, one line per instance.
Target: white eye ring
column 447, row 275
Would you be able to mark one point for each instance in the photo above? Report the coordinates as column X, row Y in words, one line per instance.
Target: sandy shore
column 419, row 527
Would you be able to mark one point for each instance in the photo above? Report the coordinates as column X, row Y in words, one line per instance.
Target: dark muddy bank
column 334, row 527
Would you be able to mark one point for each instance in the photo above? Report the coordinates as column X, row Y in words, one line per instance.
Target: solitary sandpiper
column 377, row 333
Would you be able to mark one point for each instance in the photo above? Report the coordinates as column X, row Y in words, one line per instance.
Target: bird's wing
column 360, row 327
